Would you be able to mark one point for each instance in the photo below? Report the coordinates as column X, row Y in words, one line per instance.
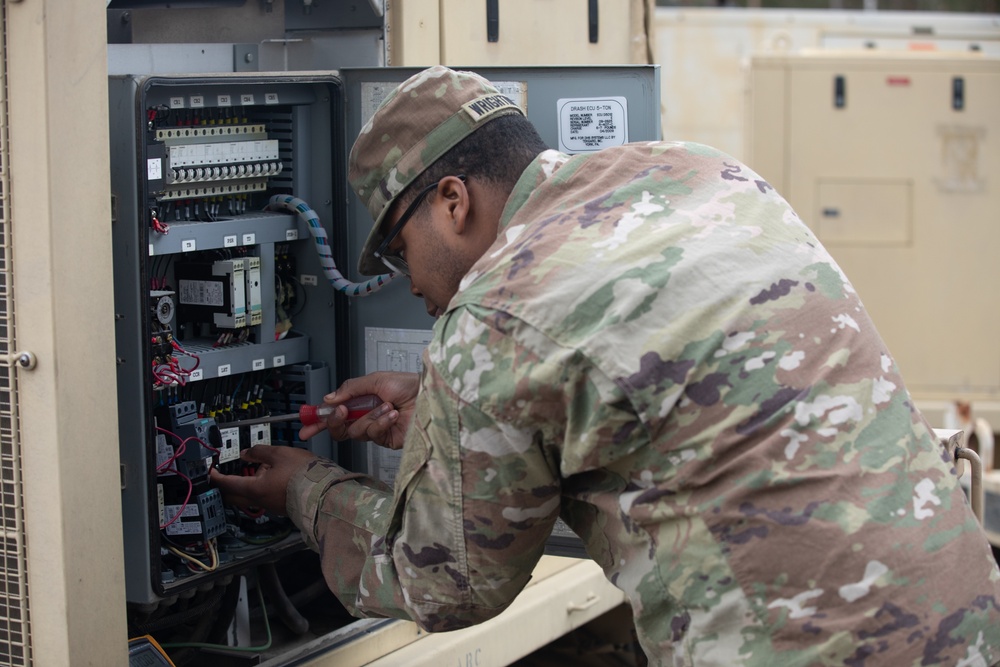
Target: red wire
column 165, row 376
column 172, row 372
column 160, row 227
column 197, row 359
column 201, row 442
column 181, row 448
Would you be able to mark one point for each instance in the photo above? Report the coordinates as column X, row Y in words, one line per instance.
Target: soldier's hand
column 385, row 425
column 267, row 487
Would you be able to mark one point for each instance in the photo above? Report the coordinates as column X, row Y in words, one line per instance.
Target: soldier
column 649, row 343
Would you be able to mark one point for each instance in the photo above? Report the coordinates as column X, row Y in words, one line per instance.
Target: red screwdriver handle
column 357, row 408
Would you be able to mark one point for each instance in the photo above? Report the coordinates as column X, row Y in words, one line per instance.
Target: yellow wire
column 189, row 557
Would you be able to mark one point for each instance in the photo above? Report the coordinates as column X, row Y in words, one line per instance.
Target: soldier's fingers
column 235, row 489
column 307, row 432
column 352, row 388
column 375, row 426
column 260, row 454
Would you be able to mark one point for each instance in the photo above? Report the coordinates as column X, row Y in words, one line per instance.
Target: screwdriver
column 357, row 408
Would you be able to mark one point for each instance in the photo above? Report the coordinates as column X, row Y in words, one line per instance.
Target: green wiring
column 223, row 647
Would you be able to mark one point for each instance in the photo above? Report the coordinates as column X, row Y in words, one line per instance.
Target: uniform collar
column 537, row 172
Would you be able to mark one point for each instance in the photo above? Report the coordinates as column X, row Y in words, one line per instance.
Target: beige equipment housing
column 893, row 160
column 705, row 53
column 519, row 32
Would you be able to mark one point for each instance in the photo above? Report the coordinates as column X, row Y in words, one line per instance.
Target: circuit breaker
column 235, row 237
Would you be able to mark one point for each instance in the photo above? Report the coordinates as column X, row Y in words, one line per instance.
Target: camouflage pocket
column 415, row 454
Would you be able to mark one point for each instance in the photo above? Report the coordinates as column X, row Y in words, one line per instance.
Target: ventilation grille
column 14, row 648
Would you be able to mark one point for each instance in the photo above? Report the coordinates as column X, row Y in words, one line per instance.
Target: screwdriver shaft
column 294, row 416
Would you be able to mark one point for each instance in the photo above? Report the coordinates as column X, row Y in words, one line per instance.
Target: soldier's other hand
column 267, row 487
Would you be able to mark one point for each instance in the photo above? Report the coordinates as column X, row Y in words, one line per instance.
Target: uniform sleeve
column 476, row 495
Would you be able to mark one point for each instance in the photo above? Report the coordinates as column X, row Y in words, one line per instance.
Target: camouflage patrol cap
column 417, row 123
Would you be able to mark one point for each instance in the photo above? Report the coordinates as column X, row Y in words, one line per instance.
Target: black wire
column 165, row 269
column 154, row 270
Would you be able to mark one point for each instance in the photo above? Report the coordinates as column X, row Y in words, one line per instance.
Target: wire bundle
column 172, row 372
column 193, row 563
column 336, row 278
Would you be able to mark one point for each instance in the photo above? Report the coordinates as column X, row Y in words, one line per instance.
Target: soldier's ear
column 454, row 197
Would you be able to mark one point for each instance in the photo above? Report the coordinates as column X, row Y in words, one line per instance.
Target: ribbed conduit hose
column 336, row 278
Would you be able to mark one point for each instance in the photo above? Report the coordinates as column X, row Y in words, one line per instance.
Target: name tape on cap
column 481, row 107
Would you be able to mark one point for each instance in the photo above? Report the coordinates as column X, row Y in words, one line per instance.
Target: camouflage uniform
column 658, row 350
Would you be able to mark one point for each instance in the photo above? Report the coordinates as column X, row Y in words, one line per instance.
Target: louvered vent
column 14, row 648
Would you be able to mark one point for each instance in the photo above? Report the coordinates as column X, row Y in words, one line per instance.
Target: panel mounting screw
column 248, row 57
column 26, row 360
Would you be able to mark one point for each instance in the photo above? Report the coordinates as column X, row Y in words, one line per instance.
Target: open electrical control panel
column 235, row 238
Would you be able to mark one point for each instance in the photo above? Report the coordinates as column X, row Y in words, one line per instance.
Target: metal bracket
column 119, row 26
column 26, row 360
column 246, row 58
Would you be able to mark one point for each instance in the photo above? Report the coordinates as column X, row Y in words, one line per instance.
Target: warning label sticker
column 201, row 293
column 590, row 124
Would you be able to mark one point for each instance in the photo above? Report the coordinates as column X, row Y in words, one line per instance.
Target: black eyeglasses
column 394, row 261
